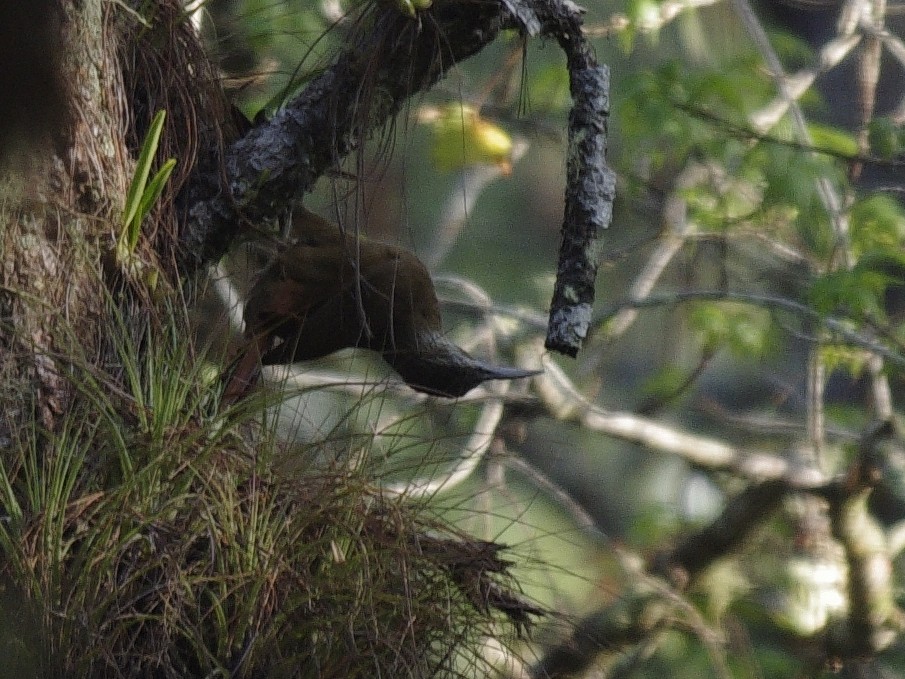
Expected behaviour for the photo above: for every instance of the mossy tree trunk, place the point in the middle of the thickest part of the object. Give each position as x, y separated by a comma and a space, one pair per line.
64, 190
61, 202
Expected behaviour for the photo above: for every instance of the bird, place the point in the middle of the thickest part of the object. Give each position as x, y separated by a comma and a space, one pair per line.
331, 290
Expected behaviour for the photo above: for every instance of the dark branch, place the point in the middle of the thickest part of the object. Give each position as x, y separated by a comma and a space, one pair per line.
590, 184
742, 514
279, 160
626, 622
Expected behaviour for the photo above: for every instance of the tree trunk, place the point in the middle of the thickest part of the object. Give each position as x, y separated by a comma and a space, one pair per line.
64, 191
58, 215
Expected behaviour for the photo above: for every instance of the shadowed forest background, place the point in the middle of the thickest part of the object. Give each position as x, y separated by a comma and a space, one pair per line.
714, 486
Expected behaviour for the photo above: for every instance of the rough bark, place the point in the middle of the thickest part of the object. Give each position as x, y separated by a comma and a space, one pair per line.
56, 215
62, 204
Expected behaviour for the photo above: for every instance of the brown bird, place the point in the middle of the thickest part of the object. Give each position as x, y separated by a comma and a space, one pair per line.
332, 291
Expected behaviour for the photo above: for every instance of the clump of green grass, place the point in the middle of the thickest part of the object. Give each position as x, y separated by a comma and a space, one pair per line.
150, 535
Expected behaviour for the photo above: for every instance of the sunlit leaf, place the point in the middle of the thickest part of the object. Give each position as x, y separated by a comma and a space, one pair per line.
463, 138
833, 139
877, 223
142, 170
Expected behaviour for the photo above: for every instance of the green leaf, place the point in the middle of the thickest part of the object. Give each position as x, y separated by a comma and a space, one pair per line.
833, 139
859, 291
142, 195
877, 224
885, 138
142, 170
851, 360
743, 329
152, 193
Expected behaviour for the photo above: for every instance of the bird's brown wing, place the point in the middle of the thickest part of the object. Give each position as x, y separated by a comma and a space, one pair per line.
398, 298
302, 279
311, 229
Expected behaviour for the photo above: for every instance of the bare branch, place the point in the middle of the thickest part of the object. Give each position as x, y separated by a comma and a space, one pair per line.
565, 402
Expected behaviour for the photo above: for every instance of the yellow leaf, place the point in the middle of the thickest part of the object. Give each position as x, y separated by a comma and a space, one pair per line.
463, 138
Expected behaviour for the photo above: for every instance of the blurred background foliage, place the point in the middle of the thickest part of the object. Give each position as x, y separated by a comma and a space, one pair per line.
703, 164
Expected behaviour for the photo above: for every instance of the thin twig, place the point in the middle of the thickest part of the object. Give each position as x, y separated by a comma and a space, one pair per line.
678, 228
565, 402
839, 327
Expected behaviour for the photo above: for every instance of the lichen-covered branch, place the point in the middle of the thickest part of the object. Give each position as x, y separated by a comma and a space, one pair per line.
590, 184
